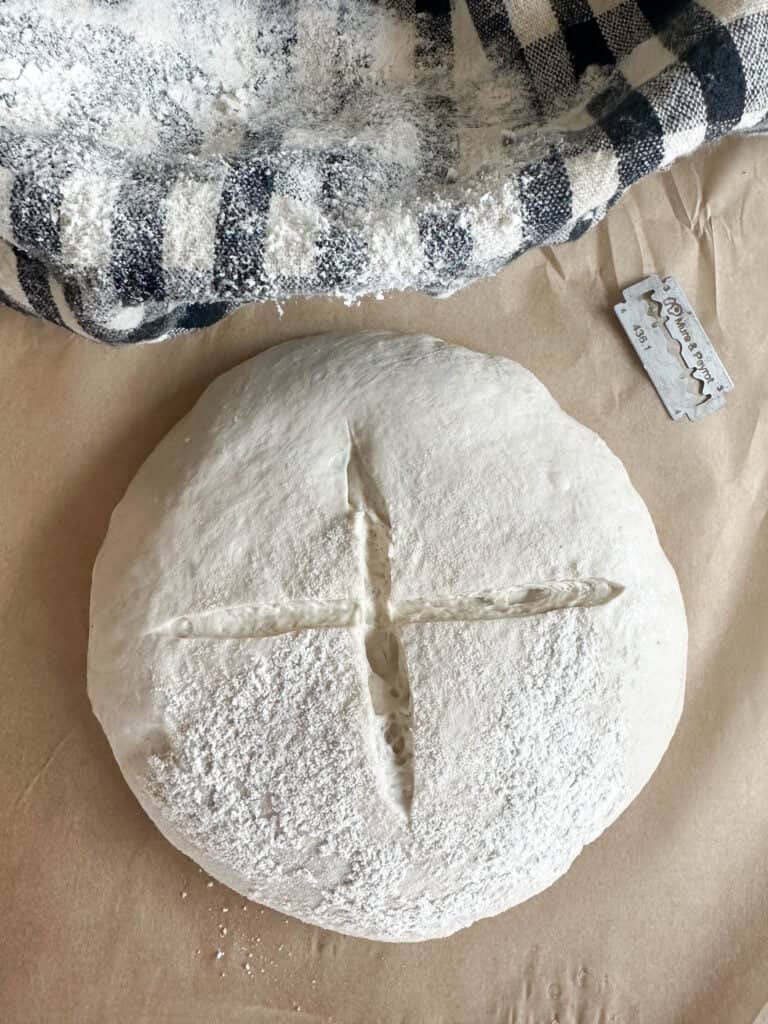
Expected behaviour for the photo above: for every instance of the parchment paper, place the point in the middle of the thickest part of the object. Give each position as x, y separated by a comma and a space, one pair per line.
664, 920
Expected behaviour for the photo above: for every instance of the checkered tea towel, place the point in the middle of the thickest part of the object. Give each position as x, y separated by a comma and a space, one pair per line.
164, 163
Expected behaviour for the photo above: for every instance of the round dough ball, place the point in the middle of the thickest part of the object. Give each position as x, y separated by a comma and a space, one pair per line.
381, 637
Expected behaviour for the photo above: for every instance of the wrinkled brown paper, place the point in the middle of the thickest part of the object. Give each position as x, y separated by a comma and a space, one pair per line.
664, 920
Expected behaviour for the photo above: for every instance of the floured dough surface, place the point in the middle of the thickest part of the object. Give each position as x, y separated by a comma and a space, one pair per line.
381, 637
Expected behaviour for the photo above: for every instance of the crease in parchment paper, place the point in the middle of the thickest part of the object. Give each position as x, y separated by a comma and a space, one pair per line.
44, 767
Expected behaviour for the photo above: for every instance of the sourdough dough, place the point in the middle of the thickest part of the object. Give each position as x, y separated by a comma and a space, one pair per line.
381, 637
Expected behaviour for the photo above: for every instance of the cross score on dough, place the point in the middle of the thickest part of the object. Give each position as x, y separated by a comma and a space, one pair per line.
376, 618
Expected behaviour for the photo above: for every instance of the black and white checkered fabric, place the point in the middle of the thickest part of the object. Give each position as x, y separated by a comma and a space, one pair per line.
162, 164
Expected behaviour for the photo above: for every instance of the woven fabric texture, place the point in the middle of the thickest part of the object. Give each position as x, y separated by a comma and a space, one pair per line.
162, 164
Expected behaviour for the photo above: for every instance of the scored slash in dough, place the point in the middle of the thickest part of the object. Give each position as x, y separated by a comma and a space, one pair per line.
381, 637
